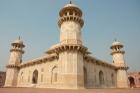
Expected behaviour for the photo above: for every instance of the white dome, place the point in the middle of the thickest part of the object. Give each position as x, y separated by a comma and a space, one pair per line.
70, 5
116, 43
18, 41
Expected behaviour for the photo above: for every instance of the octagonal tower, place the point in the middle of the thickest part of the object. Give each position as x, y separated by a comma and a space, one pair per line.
72, 51
15, 60
118, 60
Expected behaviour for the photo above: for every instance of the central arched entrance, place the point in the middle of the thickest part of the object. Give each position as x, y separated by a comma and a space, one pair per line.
35, 77
132, 81
101, 78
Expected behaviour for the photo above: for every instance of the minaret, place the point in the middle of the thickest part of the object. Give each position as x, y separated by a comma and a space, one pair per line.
16, 52
70, 24
118, 60
71, 50
15, 59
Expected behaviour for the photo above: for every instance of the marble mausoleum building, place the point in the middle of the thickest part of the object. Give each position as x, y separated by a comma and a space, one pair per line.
68, 64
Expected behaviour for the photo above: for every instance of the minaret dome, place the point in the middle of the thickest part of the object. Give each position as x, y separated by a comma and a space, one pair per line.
72, 8
70, 12
17, 45
117, 47
116, 43
18, 42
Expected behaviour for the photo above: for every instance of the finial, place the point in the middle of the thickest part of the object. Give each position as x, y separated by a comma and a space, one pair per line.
70, 2
19, 38
115, 39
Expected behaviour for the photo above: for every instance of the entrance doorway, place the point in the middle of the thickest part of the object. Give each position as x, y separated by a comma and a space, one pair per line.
132, 82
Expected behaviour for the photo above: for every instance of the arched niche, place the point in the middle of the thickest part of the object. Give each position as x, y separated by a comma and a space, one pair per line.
35, 77
101, 78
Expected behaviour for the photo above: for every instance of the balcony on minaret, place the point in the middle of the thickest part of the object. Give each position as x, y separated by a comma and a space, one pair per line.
70, 12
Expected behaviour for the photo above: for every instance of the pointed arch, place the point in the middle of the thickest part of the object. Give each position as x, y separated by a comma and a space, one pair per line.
35, 77
54, 76
85, 76
21, 77
132, 81
112, 79
101, 78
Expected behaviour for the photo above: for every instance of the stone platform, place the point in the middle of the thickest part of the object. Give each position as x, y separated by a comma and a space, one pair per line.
41, 90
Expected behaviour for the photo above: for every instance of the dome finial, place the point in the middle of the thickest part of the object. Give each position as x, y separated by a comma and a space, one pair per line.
18, 37
70, 2
115, 39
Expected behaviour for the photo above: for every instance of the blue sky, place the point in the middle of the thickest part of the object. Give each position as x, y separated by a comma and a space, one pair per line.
36, 22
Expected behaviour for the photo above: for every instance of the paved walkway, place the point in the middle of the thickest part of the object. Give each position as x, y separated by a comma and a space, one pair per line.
43, 90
